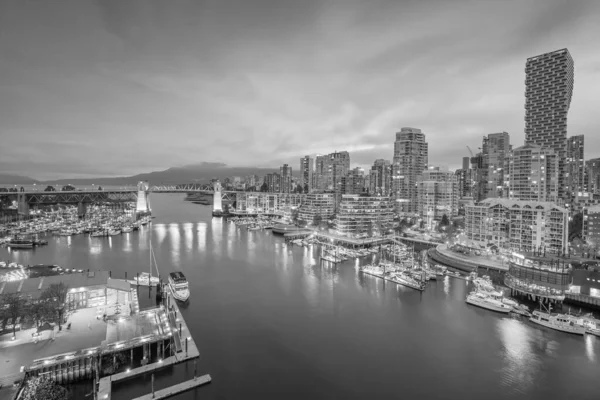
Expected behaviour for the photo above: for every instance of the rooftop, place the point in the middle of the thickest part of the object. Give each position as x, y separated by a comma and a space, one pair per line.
34, 287
511, 203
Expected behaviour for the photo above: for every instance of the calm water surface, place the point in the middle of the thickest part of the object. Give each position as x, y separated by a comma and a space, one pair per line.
270, 321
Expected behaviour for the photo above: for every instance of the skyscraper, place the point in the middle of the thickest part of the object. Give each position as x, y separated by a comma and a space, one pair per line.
381, 178
495, 148
285, 171
548, 92
410, 159
306, 173
575, 167
329, 170
437, 195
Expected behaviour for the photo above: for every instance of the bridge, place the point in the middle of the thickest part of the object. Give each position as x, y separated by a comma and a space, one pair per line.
26, 199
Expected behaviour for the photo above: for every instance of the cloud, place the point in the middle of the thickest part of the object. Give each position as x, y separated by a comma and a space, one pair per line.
115, 88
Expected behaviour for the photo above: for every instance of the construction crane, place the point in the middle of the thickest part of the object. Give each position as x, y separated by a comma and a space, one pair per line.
470, 151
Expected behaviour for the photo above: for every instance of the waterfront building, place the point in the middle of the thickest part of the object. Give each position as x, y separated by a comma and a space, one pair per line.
575, 168
273, 182
548, 91
317, 206
306, 173
354, 181
495, 147
585, 284
381, 178
520, 226
437, 195
410, 160
285, 173
532, 174
538, 277
364, 215
251, 203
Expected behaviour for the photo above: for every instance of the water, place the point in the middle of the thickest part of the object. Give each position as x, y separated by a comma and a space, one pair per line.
270, 322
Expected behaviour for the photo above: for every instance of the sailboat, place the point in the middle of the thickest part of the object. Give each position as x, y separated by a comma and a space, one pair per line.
146, 278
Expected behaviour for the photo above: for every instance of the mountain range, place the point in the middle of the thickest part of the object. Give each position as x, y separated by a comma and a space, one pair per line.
200, 173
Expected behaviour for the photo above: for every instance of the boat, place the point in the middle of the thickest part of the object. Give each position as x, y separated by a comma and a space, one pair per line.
559, 322
145, 279
281, 229
127, 229
113, 232
254, 227
521, 309
483, 300
408, 281
20, 244
179, 286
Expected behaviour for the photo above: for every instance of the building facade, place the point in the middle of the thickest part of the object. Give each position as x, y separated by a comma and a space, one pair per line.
520, 226
316, 206
437, 195
251, 203
285, 173
381, 178
410, 160
591, 226
329, 170
364, 215
532, 174
495, 147
592, 175
548, 91
273, 182
354, 182
306, 173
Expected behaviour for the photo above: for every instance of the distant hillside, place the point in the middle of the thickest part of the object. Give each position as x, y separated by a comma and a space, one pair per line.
202, 172
7, 179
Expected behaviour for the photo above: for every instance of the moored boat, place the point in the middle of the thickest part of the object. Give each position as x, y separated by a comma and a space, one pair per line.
483, 300
559, 322
179, 286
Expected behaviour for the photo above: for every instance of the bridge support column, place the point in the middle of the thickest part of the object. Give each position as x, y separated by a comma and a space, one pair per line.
142, 206
23, 206
217, 200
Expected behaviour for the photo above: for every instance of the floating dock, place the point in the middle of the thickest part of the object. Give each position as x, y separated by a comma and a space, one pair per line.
176, 389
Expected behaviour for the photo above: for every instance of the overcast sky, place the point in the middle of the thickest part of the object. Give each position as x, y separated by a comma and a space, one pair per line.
107, 88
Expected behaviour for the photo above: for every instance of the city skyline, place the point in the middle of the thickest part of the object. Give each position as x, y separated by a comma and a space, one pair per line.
127, 88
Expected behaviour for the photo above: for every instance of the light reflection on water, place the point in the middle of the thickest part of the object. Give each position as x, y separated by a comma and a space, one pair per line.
201, 236
590, 340
175, 240
521, 363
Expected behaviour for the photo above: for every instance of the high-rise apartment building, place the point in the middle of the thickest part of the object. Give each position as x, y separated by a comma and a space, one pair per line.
495, 148
548, 91
381, 178
285, 172
306, 173
592, 175
575, 167
532, 174
410, 160
437, 195
273, 182
329, 170
354, 181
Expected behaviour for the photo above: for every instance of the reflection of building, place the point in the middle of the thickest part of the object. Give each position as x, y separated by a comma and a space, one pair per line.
548, 92
537, 277
364, 215
437, 195
532, 174
317, 204
410, 159
524, 226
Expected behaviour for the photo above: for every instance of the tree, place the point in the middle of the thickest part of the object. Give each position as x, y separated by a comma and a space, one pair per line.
264, 187
40, 311
50, 188
445, 221
68, 188
317, 219
575, 226
13, 307
43, 388
56, 296
299, 189
99, 187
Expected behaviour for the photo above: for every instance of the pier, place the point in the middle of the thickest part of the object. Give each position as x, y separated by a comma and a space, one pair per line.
176, 389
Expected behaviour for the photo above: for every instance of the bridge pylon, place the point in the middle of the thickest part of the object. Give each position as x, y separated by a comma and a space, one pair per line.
217, 200
142, 205
23, 205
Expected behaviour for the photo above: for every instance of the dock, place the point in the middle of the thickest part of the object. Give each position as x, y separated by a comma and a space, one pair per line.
176, 389
186, 349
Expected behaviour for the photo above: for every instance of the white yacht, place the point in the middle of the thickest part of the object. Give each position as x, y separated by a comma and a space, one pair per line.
560, 322
127, 229
179, 286
114, 231
483, 300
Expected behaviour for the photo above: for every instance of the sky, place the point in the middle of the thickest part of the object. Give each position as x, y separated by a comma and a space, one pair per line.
113, 88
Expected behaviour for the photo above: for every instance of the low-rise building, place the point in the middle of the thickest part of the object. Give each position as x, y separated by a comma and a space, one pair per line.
359, 215
320, 205
591, 226
538, 277
437, 195
266, 203
523, 226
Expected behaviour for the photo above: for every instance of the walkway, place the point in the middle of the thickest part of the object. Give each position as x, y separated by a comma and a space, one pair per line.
464, 262
176, 389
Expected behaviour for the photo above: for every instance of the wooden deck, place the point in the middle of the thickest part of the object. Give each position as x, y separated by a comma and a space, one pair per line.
176, 389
